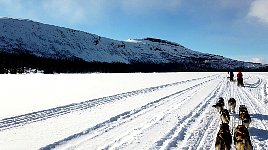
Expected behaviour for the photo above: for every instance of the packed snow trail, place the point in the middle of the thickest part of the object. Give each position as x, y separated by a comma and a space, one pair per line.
259, 125
11, 122
149, 110
175, 115
78, 120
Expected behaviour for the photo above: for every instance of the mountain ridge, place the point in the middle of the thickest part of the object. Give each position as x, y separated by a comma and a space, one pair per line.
51, 41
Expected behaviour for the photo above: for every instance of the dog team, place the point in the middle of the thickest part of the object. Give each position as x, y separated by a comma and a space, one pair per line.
241, 136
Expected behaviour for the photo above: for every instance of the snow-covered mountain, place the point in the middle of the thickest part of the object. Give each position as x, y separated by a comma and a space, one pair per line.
58, 42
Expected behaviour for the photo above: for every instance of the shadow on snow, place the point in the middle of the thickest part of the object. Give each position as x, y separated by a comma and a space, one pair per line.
260, 134
260, 116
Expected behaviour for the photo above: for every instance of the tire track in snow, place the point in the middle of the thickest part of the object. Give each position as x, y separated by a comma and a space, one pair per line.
22, 120
211, 123
230, 92
206, 126
258, 126
175, 137
122, 118
251, 98
171, 105
253, 108
242, 101
234, 118
257, 89
264, 91
253, 85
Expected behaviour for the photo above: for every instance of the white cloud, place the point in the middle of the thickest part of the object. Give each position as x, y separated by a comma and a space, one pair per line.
254, 60
257, 60
72, 11
75, 11
258, 9
148, 6
68, 9
8, 4
18, 9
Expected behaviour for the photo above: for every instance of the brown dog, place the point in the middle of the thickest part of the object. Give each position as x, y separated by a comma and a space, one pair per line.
224, 138
242, 138
232, 105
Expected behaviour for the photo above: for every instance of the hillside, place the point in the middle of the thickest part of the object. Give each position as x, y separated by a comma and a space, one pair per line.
48, 41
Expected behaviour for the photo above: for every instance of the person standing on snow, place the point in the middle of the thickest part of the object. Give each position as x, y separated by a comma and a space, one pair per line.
240, 79
231, 76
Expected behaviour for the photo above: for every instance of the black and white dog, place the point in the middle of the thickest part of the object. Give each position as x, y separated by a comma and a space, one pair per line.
219, 105
231, 105
244, 116
225, 116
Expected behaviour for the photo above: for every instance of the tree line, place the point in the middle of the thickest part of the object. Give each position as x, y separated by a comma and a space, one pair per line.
19, 62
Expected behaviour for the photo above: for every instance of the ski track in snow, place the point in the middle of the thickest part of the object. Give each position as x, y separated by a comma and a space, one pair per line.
183, 119
129, 116
259, 118
206, 125
258, 127
21, 120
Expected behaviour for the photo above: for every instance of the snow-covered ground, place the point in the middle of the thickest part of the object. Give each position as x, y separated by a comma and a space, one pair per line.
125, 111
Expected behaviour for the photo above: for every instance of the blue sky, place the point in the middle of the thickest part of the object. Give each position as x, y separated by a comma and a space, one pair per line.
236, 29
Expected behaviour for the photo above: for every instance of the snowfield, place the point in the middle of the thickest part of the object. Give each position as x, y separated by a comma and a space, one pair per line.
125, 111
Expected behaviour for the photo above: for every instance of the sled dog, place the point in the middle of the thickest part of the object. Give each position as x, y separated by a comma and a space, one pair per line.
246, 119
221, 101
231, 105
242, 138
224, 138
244, 116
219, 105
225, 116
242, 109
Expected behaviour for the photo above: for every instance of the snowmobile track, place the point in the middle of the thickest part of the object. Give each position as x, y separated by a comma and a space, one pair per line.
208, 125
21, 120
126, 117
257, 112
170, 116
176, 135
